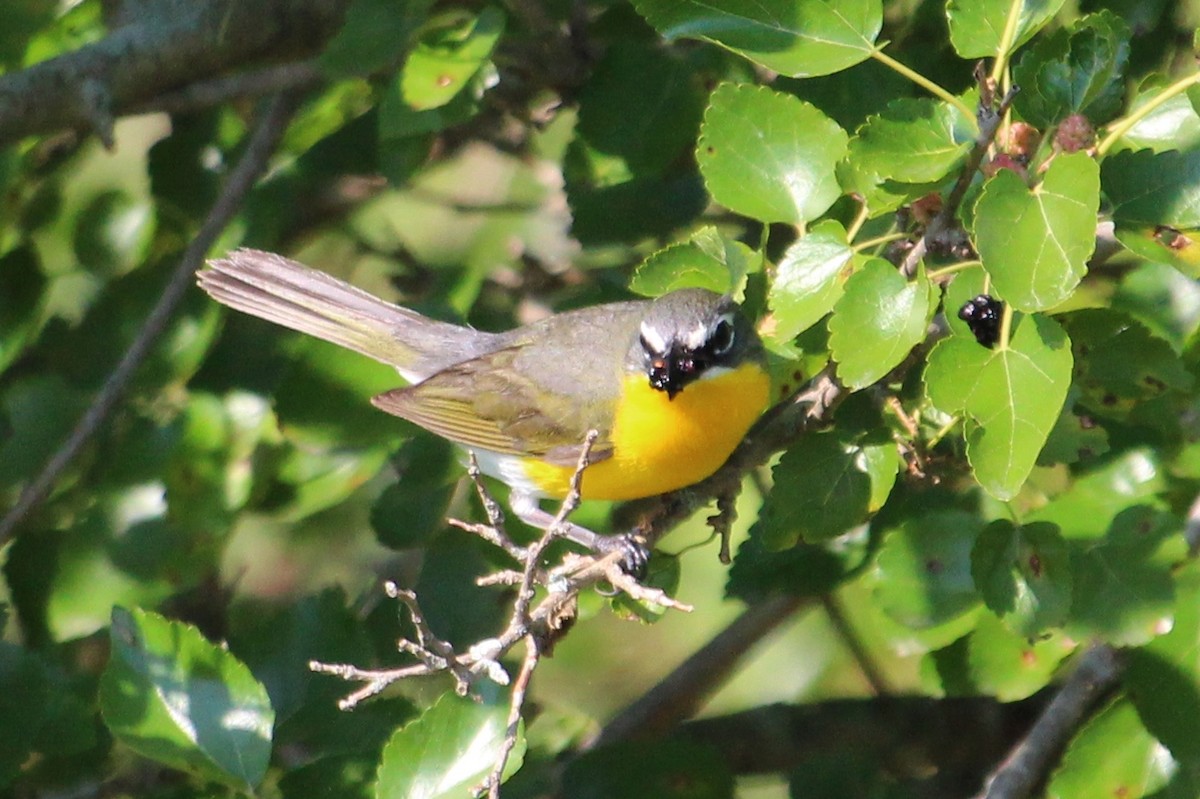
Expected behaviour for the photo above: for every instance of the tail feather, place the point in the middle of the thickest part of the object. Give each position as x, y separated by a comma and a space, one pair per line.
287, 293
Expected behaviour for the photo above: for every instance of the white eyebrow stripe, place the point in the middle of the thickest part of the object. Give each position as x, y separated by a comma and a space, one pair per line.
652, 337
697, 338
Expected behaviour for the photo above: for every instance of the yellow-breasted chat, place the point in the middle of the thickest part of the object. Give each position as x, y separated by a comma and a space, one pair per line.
670, 385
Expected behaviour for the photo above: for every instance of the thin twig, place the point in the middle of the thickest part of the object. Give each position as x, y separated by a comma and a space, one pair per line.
1098, 671
493, 531
989, 125
537, 625
516, 704
249, 168
850, 638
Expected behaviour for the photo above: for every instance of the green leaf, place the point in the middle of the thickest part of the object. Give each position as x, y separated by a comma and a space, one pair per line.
768, 155
1010, 666
1162, 676
406, 133
643, 104
1012, 396
450, 51
375, 34
1173, 124
113, 233
172, 696
822, 488
1073, 438
278, 641
809, 570
800, 38
1087, 509
810, 278
912, 141
877, 321
1148, 188
411, 511
1119, 364
1124, 592
1156, 204
976, 26
344, 776
1112, 755
708, 260
1035, 244
1078, 70
25, 693
1024, 575
22, 288
924, 569
36, 414
609, 203
449, 749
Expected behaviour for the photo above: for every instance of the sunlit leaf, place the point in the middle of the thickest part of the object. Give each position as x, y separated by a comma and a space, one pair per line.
176, 698
1011, 666
769, 155
708, 260
1112, 755
912, 141
810, 278
879, 318
800, 38
1012, 395
977, 26
448, 750
1035, 243
452, 49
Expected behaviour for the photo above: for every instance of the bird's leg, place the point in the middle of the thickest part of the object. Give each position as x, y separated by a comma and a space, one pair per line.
634, 557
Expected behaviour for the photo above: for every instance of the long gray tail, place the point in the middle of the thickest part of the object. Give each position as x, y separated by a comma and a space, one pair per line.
288, 293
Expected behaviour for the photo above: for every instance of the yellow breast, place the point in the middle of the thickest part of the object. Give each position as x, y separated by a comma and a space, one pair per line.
660, 444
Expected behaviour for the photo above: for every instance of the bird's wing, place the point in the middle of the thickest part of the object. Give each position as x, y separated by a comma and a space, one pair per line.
487, 403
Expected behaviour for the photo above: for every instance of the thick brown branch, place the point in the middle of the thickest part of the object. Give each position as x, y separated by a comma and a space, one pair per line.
171, 44
909, 736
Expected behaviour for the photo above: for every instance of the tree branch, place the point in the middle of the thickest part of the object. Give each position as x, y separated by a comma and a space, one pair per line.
1097, 673
680, 694
910, 736
172, 43
249, 168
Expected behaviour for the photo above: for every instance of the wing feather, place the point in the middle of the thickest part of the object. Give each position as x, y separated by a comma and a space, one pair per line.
487, 404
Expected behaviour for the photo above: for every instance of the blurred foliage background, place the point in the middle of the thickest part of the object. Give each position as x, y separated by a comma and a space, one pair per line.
489, 164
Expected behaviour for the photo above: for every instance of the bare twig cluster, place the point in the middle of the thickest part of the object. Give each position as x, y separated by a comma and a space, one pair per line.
544, 608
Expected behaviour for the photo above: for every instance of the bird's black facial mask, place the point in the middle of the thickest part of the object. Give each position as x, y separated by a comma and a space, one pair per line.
681, 364
673, 371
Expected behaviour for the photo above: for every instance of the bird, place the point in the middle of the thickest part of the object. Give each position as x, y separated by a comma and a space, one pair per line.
669, 385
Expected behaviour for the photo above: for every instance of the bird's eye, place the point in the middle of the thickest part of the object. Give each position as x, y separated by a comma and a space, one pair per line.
721, 340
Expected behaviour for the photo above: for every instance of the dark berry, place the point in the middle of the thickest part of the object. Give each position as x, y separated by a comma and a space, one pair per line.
982, 316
